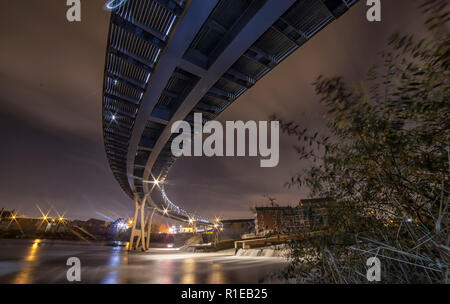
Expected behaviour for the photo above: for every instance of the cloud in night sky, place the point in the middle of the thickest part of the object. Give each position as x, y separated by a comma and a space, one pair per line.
51, 77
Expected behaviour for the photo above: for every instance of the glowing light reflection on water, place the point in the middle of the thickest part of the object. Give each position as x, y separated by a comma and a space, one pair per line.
25, 261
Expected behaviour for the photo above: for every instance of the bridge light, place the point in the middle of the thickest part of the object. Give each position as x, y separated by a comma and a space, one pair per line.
165, 211
114, 4
157, 55
154, 181
170, 26
113, 117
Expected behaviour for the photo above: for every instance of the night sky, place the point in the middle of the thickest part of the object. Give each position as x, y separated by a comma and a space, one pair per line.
51, 77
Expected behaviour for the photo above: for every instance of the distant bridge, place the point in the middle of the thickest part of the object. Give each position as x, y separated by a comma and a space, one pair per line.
167, 59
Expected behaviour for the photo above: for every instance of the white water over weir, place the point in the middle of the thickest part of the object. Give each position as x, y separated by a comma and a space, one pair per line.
280, 251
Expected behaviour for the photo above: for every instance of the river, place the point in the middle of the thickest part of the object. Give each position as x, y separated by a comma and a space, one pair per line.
44, 261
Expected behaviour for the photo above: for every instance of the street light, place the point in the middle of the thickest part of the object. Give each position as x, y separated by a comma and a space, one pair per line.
154, 181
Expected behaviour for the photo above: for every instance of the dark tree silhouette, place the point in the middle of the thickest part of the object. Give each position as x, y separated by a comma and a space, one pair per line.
386, 164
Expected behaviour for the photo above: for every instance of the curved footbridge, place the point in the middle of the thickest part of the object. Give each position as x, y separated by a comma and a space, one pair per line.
167, 59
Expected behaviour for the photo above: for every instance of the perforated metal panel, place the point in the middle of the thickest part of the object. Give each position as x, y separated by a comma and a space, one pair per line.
176, 90
149, 14
308, 16
123, 40
138, 31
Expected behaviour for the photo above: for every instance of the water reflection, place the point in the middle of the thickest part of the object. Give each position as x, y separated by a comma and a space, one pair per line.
217, 276
37, 262
25, 275
188, 271
116, 259
167, 272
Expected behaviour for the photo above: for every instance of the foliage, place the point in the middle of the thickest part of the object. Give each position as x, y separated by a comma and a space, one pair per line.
386, 163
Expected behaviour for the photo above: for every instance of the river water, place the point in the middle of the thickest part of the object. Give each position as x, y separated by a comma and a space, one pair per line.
44, 261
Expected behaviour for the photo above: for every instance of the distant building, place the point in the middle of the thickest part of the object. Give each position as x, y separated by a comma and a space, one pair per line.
310, 214
94, 226
316, 211
279, 219
6, 214
187, 229
234, 229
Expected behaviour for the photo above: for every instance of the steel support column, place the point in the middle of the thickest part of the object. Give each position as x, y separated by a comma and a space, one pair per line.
139, 231
149, 227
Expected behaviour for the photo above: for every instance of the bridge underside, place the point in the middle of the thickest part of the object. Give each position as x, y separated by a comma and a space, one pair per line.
167, 59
